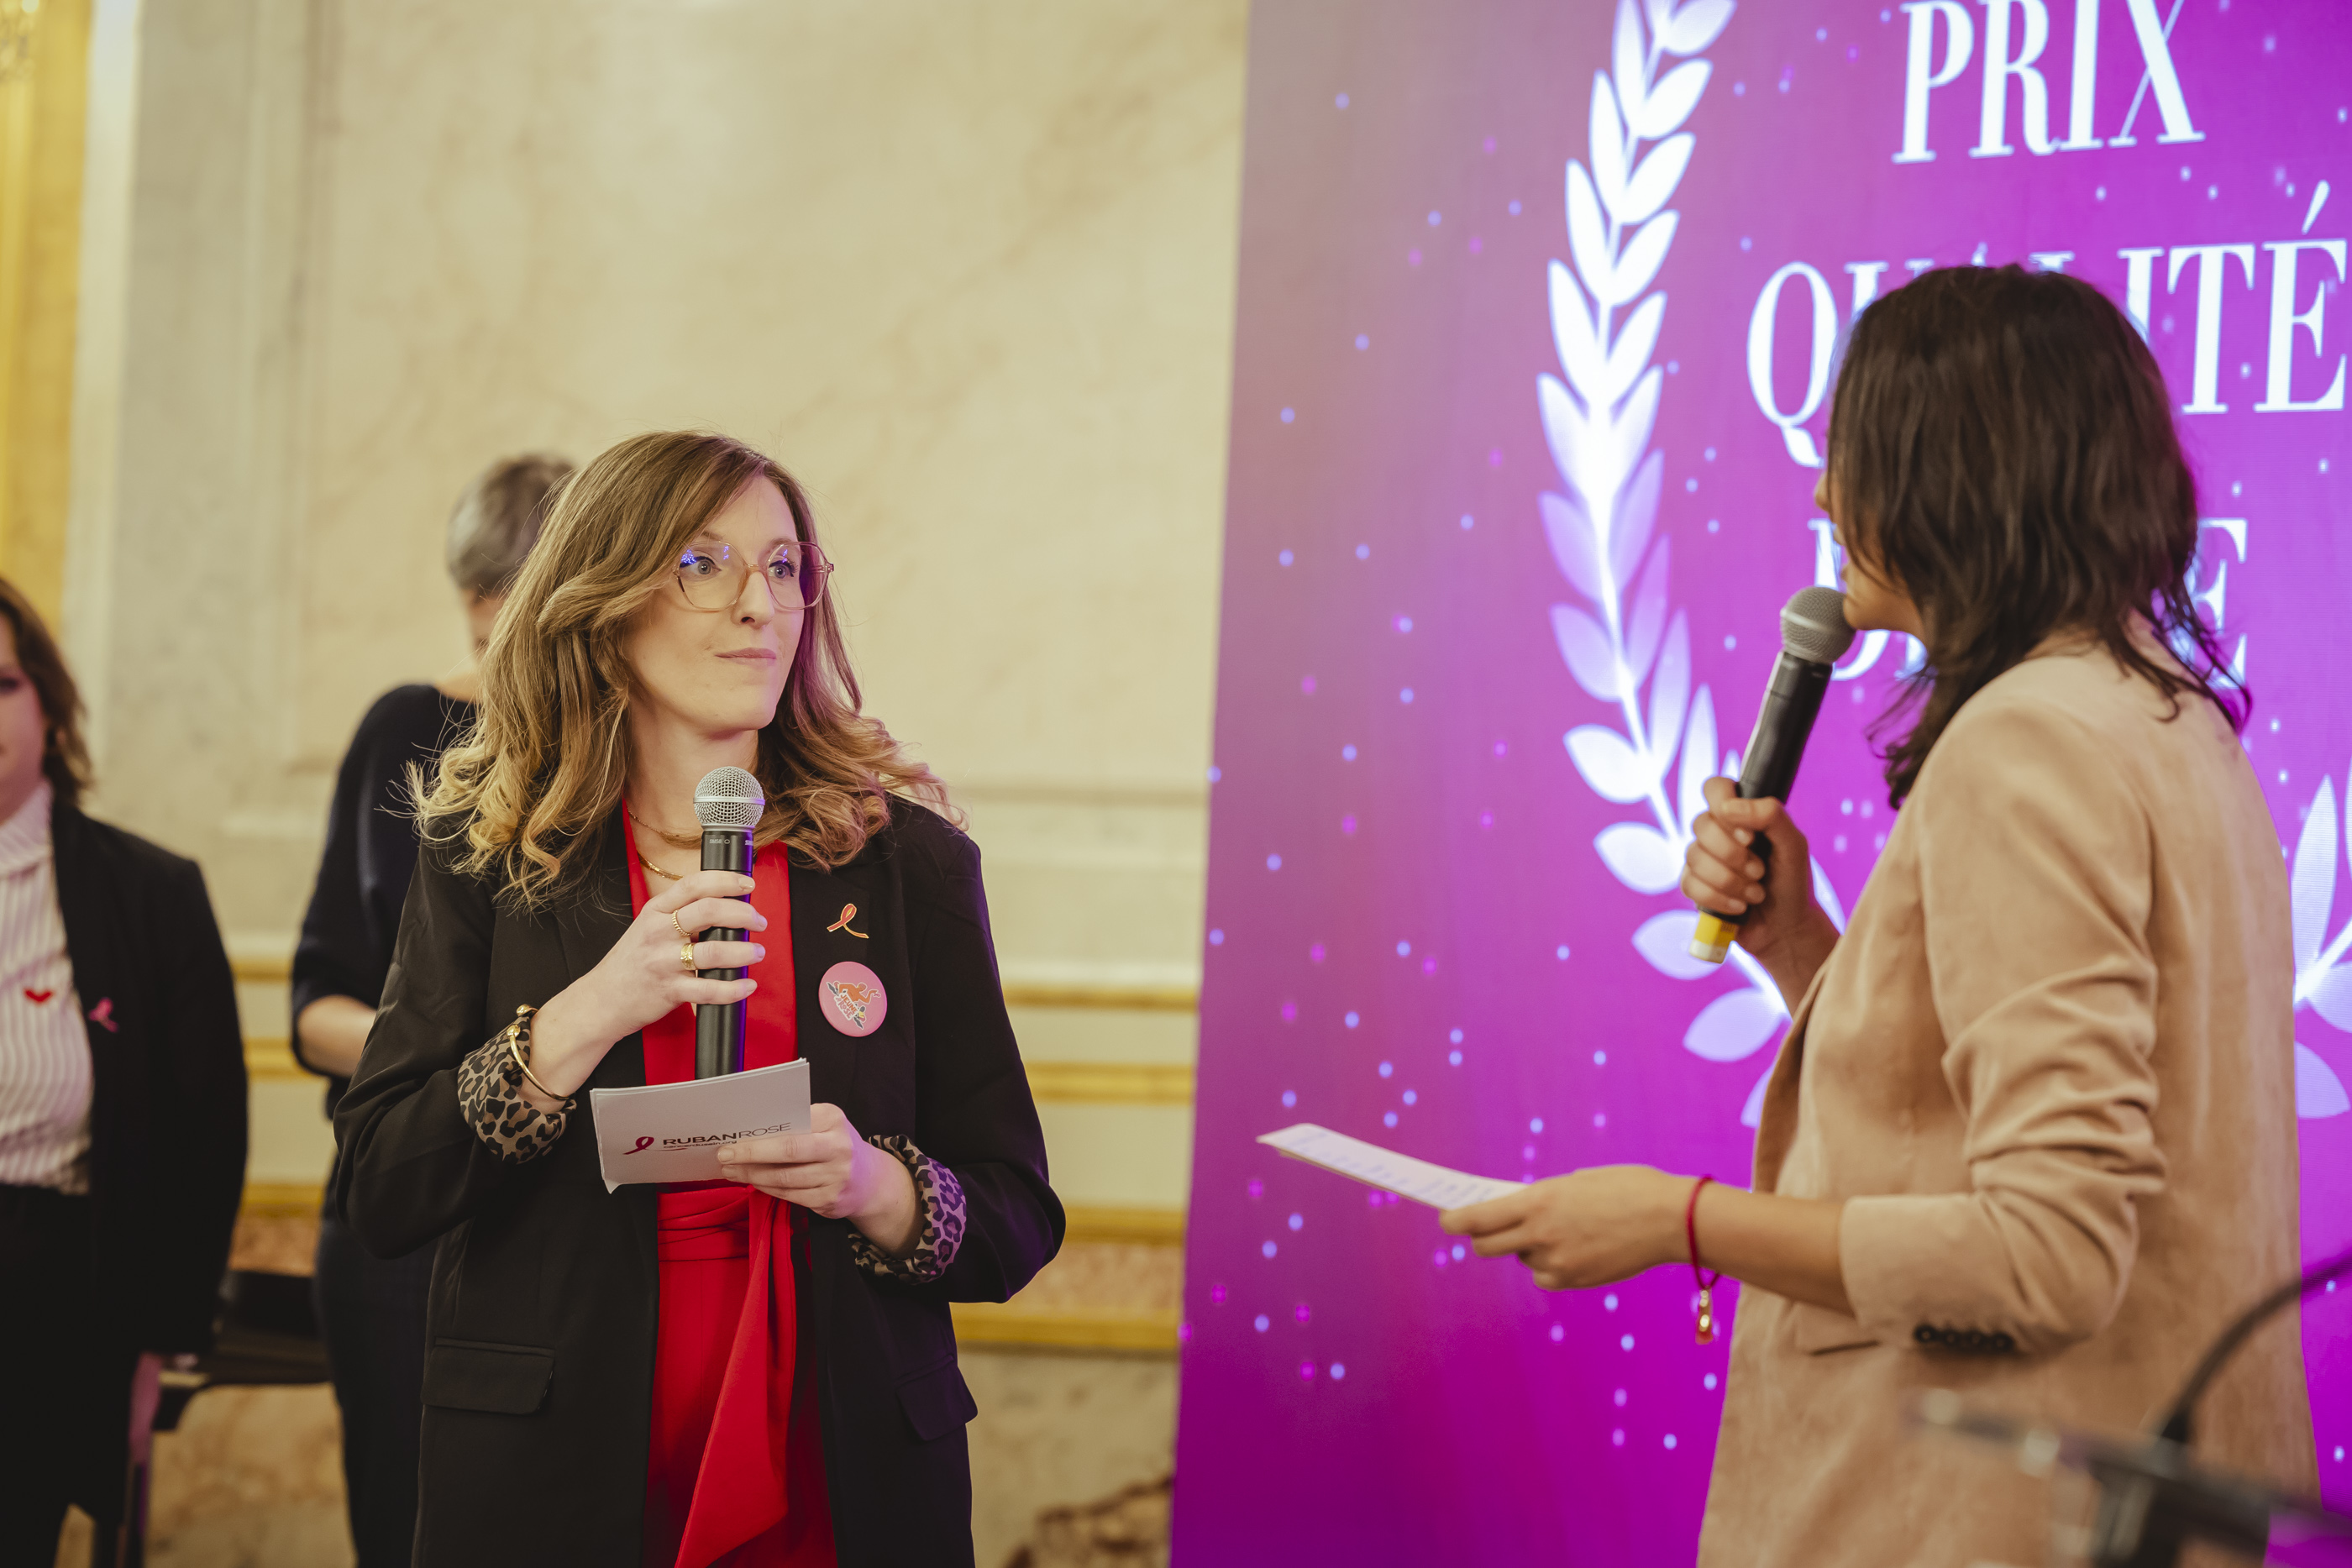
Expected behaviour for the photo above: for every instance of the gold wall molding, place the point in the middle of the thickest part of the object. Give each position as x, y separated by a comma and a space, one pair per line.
1094, 1224
281, 1199
269, 1059
1008, 1325
44, 90
1111, 1083
1104, 998
265, 969
1088, 1225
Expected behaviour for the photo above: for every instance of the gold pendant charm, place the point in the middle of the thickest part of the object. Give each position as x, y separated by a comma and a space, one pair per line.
1705, 1316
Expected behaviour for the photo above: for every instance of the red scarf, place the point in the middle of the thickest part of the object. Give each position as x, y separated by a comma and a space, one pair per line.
736, 1472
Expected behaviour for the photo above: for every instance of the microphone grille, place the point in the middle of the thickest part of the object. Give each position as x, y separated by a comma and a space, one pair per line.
1813, 625
728, 798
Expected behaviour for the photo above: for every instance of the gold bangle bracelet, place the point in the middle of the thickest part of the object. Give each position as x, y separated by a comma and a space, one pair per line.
518, 1032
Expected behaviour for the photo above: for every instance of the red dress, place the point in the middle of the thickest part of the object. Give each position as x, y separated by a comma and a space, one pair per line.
735, 1472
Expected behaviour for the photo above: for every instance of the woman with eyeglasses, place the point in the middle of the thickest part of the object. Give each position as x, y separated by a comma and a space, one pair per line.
754, 1371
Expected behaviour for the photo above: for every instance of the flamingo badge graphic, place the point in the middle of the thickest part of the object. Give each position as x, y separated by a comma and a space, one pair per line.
852, 999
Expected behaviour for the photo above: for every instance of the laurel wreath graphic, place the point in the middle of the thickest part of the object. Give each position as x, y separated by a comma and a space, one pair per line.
2323, 976
1598, 422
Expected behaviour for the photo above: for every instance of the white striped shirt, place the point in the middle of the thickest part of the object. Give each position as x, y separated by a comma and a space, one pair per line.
45, 1068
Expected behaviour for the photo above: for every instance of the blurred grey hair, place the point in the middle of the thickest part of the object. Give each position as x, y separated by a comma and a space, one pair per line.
496, 520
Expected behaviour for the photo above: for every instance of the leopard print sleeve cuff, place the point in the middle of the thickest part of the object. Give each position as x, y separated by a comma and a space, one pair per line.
489, 1097
940, 1231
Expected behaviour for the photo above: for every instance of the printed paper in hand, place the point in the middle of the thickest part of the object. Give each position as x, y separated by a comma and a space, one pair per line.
671, 1132
1400, 1173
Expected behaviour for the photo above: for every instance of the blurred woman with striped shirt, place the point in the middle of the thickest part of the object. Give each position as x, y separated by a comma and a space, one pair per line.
121, 1112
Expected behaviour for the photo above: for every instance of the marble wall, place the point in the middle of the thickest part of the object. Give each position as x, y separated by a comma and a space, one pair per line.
967, 270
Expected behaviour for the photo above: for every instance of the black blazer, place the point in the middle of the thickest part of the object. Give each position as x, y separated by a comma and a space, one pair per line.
539, 1370
167, 1102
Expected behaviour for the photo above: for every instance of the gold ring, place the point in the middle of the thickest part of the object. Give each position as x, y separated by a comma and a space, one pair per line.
686, 956
676, 927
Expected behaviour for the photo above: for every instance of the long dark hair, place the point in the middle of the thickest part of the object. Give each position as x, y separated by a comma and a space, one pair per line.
2002, 442
65, 758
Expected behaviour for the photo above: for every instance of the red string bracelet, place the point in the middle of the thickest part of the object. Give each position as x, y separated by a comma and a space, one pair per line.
1705, 1282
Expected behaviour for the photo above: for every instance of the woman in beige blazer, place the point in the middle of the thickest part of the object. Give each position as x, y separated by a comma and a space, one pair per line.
2031, 1135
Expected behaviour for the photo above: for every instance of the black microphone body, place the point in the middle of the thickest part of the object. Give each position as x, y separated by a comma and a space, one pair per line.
1813, 636
728, 803
1791, 701
718, 1030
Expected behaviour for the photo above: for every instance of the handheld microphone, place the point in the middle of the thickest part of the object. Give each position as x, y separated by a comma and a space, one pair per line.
1813, 636
728, 803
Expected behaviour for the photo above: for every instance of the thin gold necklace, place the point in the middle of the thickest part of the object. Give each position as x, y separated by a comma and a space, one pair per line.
672, 876
675, 841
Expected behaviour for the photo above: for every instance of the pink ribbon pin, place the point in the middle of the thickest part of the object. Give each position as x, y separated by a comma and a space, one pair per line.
103, 1014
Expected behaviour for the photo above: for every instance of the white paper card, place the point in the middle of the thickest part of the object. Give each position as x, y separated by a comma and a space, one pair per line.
671, 1132
1384, 1169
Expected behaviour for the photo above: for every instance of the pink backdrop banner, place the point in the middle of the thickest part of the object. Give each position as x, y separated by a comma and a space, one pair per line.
1538, 309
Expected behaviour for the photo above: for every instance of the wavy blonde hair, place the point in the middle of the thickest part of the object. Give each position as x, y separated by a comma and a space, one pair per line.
532, 789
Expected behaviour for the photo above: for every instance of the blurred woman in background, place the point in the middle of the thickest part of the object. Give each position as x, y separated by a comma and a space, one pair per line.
371, 1309
121, 1114
758, 1370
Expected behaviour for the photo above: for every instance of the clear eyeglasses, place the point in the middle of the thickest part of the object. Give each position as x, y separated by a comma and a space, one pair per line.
711, 576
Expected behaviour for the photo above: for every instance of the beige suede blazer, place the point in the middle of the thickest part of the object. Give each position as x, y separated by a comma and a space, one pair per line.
2050, 1069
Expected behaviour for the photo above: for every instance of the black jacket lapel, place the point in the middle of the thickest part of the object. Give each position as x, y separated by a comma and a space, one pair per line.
587, 927
819, 942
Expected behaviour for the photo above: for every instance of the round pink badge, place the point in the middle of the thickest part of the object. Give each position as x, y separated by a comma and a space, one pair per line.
851, 996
